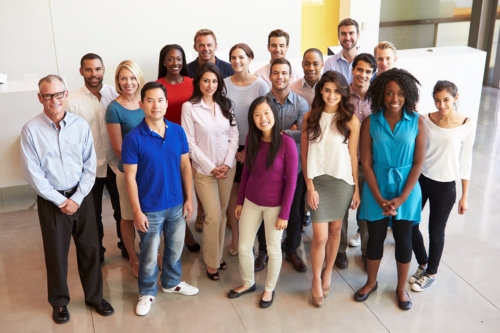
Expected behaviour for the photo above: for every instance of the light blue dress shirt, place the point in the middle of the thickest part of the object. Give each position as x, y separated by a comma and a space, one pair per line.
55, 159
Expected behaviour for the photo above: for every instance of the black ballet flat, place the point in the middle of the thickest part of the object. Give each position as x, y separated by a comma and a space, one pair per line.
363, 297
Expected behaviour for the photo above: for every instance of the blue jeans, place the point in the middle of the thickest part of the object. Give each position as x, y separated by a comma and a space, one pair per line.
171, 221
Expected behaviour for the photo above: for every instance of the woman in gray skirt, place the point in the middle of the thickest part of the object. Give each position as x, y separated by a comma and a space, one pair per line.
329, 144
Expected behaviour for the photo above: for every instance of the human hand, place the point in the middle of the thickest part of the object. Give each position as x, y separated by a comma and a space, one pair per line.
69, 207
313, 199
141, 222
462, 206
281, 224
237, 211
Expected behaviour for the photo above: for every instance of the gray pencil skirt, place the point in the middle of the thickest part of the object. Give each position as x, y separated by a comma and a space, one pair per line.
335, 197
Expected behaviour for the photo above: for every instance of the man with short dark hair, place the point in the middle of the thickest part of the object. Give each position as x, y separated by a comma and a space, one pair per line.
205, 44
291, 108
155, 158
348, 34
364, 67
58, 160
277, 45
90, 103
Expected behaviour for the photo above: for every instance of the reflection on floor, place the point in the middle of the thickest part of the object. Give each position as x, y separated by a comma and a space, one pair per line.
465, 297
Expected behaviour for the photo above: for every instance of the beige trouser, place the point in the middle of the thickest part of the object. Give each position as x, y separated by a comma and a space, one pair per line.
250, 220
214, 196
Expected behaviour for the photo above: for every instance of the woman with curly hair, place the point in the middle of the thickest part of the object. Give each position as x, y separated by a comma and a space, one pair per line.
212, 136
392, 149
329, 146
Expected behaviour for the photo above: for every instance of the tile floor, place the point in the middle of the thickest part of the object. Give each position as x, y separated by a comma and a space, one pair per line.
465, 297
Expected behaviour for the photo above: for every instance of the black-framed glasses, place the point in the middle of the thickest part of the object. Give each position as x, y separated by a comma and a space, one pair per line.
58, 95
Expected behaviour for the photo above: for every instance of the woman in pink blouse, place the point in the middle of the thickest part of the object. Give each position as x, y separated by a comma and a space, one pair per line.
212, 135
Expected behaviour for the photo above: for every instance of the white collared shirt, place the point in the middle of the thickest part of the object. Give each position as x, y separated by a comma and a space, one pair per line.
83, 103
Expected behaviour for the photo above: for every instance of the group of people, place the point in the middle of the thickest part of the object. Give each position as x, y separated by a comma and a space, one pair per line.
259, 149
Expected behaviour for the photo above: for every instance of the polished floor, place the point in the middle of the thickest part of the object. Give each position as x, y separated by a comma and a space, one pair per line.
464, 298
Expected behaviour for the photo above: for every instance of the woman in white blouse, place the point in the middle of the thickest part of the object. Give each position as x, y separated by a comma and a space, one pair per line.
448, 158
213, 137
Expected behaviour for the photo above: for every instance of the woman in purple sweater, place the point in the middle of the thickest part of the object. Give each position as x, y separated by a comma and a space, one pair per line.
266, 192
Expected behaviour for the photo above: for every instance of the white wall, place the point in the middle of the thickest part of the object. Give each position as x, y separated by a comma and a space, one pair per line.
50, 36
367, 14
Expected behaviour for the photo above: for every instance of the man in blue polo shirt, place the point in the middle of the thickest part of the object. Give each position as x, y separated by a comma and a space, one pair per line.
159, 182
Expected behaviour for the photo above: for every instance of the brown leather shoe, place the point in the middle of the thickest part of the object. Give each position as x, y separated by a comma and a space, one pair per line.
260, 262
341, 260
297, 262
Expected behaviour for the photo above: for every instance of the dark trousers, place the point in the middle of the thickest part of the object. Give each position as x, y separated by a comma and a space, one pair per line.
401, 230
97, 190
57, 229
442, 197
294, 228
362, 227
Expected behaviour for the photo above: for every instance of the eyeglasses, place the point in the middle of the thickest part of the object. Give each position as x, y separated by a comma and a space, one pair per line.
48, 97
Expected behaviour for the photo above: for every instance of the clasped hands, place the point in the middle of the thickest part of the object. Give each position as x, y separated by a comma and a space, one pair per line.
390, 207
220, 172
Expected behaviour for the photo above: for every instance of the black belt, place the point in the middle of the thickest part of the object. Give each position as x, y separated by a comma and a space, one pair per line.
68, 193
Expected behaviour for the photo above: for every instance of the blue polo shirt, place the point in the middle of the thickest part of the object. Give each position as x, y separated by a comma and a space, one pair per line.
158, 165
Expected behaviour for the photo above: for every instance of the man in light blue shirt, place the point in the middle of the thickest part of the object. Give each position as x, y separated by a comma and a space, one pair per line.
348, 33
58, 160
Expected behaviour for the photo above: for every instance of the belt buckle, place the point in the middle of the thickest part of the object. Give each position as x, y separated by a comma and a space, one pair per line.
66, 193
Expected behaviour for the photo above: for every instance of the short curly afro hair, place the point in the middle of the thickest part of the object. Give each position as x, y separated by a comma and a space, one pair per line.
405, 80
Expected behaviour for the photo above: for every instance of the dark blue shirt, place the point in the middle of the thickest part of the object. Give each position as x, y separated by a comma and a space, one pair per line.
224, 67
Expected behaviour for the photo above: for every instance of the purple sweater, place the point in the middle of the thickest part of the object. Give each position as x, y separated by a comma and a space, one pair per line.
274, 186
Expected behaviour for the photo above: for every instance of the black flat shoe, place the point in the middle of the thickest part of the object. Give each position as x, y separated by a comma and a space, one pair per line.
193, 248
60, 314
235, 294
265, 304
404, 305
213, 276
103, 308
363, 297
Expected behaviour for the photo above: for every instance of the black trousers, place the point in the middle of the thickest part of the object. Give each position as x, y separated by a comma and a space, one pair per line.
97, 190
441, 197
294, 228
401, 230
57, 229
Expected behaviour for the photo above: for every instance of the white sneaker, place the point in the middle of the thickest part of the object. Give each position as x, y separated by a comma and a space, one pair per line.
355, 241
182, 288
144, 305
418, 274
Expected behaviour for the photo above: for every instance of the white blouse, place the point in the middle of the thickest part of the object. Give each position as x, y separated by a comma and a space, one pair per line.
449, 151
328, 154
212, 140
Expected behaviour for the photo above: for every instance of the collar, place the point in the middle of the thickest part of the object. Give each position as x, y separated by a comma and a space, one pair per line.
144, 128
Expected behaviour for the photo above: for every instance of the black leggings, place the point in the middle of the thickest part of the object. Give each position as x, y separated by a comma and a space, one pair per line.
401, 230
441, 196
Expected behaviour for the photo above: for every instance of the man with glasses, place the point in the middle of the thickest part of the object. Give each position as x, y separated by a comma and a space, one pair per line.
348, 34
58, 160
